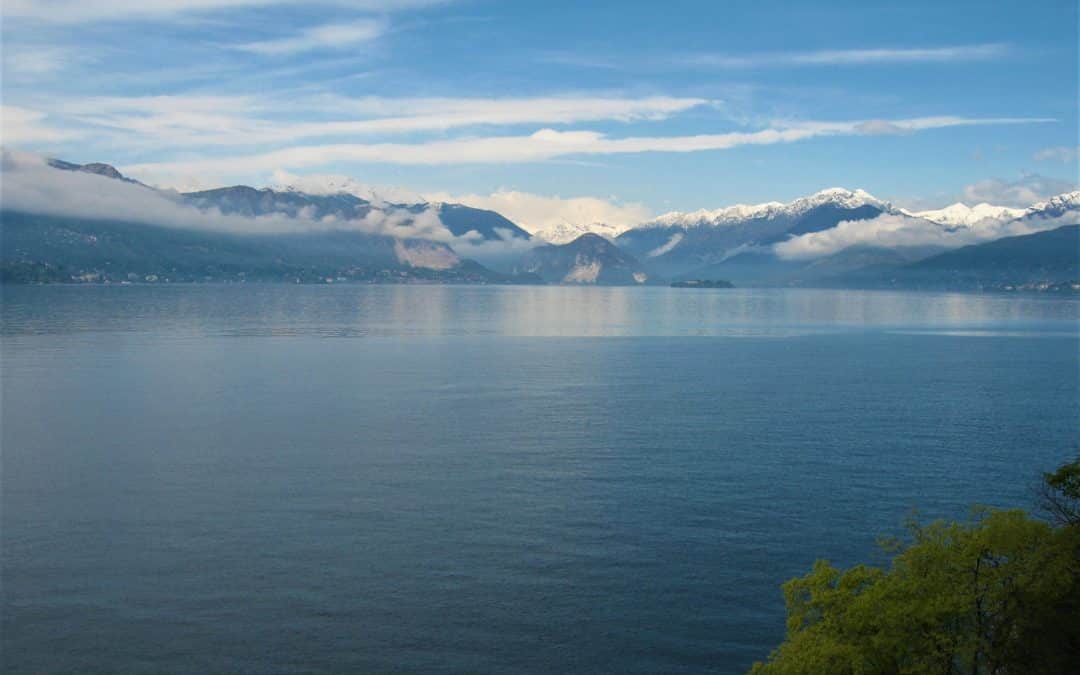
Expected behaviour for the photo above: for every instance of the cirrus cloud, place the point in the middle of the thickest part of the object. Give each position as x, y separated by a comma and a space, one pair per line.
853, 57
22, 125
327, 36
221, 121
80, 11
545, 144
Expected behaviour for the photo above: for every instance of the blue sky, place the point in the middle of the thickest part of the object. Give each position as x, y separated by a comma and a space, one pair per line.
643, 107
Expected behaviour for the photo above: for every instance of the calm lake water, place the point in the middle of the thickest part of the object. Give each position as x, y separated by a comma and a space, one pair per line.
481, 479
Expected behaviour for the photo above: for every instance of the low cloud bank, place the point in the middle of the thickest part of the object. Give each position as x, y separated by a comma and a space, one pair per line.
30, 185
899, 231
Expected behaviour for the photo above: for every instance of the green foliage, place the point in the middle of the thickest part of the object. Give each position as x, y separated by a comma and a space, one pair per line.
1066, 479
998, 594
1060, 494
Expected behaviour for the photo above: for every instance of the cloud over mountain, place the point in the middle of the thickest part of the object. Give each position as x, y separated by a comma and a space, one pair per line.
905, 230
33, 186
1020, 192
536, 212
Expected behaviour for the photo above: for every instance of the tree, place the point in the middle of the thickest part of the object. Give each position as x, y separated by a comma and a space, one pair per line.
997, 594
1059, 494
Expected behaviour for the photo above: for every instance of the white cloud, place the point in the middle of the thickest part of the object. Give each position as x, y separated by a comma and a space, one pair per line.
873, 127
851, 57
887, 230
514, 110
898, 230
1022, 192
82, 11
328, 36
200, 121
21, 125
532, 212
892, 230
33, 61
1061, 153
542, 145
535, 212
31, 186
160, 104
880, 128
326, 184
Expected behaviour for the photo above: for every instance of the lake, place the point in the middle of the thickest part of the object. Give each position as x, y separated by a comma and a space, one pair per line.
488, 479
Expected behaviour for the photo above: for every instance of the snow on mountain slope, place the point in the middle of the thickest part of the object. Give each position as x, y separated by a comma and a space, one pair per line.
1056, 206
964, 215
841, 197
565, 232
960, 214
952, 227
721, 216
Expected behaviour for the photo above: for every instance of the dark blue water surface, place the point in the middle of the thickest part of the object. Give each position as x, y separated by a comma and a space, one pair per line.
427, 479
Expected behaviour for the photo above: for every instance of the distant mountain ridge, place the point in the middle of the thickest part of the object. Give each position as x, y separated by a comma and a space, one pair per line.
341, 234
460, 220
962, 214
1051, 256
677, 243
42, 248
589, 259
342, 204
737, 213
98, 168
566, 232
332, 185
1056, 206
53, 248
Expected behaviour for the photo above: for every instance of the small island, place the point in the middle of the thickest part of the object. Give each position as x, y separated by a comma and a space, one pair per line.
703, 283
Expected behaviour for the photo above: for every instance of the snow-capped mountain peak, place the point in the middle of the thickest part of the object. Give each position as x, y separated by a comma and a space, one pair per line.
962, 214
721, 216
841, 197
566, 232
1068, 201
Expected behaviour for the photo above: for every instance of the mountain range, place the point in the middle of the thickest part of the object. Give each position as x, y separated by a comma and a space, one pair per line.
835, 237
679, 243
566, 232
56, 248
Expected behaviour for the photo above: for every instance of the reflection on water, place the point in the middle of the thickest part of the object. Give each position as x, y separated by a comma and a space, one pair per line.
389, 311
181, 494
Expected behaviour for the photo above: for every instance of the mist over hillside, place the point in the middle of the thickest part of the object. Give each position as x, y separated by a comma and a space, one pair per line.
65, 222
